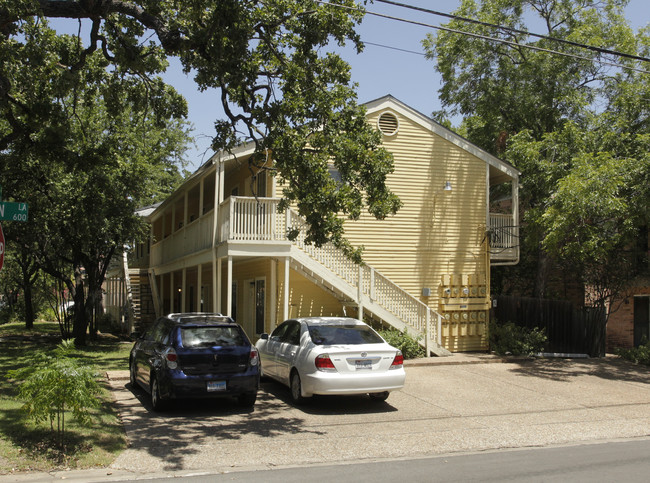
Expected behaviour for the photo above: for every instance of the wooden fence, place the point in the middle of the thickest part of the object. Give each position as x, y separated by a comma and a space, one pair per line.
570, 330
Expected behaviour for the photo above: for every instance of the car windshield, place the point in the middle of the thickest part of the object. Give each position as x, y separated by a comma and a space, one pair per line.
343, 334
210, 336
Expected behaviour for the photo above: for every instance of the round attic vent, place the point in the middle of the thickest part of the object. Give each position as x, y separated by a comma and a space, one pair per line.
388, 124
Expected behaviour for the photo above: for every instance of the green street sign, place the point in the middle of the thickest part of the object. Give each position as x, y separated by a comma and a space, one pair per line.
13, 211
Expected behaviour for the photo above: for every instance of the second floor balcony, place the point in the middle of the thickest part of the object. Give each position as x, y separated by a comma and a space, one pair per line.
249, 219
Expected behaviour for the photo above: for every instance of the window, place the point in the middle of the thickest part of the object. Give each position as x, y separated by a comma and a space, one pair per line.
261, 184
193, 337
292, 335
343, 334
279, 331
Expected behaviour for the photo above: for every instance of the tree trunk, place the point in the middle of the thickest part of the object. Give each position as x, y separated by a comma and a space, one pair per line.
80, 324
541, 278
29, 308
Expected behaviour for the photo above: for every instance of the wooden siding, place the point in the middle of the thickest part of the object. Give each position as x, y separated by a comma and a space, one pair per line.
435, 233
305, 297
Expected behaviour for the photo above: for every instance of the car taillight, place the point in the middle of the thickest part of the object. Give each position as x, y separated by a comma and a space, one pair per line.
255, 357
171, 359
398, 361
324, 363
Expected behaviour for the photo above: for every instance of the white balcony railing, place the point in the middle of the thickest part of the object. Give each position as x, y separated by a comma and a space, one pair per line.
504, 237
251, 219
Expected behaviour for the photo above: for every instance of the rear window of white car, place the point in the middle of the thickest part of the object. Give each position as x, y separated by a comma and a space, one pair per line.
343, 334
210, 336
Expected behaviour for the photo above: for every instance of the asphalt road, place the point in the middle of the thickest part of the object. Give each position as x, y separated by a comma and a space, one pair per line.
601, 462
444, 409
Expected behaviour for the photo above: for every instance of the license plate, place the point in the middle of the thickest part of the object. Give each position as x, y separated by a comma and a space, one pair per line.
216, 386
363, 364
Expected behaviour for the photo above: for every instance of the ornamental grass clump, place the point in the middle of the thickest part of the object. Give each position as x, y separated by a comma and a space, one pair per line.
56, 384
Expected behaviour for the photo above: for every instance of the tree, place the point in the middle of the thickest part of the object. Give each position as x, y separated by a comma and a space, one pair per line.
85, 148
52, 385
279, 88
538, 108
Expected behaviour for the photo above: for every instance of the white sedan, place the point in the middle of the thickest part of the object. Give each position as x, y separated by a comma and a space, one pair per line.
331, 355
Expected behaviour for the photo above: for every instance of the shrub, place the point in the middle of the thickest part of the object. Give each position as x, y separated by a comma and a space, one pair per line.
53, 385
511, 339
638, 355
403, 341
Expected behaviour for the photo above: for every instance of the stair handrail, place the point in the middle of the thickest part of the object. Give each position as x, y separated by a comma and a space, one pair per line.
413, 312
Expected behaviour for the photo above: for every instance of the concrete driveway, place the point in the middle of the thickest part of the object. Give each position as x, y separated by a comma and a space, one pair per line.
448, 405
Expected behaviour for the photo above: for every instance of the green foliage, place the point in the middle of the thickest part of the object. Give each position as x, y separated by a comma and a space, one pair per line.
638, 355
29, 446
403, 341
52, 385
510, 339
281, 88
575, 128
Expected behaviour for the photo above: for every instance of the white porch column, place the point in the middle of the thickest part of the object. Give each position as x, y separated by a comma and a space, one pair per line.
183, 289
216, 285
274, 293
161, 294
285, 303
171, 292
229, 289
199, 282
201, 194
186, 208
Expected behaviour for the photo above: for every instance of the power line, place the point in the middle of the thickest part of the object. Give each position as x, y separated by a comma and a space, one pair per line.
600, 50
488, 38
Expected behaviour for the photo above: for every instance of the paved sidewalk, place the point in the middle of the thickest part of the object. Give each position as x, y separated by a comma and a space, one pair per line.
460, 403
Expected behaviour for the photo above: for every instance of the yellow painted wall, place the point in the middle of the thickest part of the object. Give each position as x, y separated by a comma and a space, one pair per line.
435, 233
305, 298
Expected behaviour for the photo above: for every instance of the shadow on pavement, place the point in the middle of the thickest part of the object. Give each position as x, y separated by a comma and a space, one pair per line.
610, 368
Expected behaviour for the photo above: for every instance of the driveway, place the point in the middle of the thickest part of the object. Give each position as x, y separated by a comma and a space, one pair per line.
445, 407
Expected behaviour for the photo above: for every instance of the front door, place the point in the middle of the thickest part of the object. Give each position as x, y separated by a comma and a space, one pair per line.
255, 306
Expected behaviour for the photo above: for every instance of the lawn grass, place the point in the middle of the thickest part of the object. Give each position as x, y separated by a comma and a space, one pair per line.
27, 446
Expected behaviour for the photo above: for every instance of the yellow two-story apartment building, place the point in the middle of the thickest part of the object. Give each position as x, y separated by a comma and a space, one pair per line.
219, 244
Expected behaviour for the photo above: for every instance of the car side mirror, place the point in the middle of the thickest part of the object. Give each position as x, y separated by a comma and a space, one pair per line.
264, 336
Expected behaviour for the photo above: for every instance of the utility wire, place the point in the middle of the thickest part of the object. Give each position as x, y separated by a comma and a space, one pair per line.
485, 37
600, 50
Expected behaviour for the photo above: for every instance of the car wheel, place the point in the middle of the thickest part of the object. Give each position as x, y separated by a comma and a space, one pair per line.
156, 401
296, 388
247, 399
379, 396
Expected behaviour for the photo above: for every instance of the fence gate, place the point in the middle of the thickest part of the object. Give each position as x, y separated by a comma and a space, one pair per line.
575, 330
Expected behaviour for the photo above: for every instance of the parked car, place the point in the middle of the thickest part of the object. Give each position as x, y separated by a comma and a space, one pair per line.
331, 355
195, 355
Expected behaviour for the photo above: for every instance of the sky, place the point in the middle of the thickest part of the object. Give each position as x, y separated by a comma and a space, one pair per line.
392, 63
378, 70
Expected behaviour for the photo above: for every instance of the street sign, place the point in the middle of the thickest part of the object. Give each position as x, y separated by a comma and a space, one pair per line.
2, 248
13, 211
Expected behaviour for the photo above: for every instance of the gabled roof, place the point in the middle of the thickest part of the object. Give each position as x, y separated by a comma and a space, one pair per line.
499, 170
